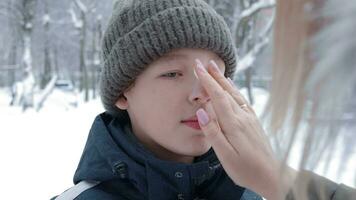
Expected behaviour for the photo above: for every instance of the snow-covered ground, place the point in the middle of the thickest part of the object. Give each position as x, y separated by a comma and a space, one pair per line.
39, 151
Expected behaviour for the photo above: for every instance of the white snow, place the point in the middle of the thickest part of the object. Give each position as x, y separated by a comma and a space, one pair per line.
41, 98
46, 19
28, 25
40, 151
77, 22
27, 58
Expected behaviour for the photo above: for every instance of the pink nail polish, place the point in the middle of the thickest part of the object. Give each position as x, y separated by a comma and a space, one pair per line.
215, 66
203, 117
231, 82
195, 74
200, 66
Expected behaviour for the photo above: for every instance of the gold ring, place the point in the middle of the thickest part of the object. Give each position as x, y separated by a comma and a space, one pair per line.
243, 106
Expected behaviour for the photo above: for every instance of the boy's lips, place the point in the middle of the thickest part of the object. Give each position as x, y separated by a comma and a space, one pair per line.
192, 122
193, 118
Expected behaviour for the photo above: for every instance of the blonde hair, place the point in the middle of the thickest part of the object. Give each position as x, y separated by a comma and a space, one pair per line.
311, 81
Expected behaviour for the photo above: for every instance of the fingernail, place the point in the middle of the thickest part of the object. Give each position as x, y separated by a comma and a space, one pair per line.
203, 117
200, 66
215, 66
231, 82
195, 74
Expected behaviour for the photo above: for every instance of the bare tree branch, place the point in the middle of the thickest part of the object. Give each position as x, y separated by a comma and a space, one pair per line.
256, 7
81, 6
15, 13
249, 59
41, 98
77, 22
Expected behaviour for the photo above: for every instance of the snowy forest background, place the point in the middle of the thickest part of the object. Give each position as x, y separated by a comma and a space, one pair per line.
49, 70
55, 45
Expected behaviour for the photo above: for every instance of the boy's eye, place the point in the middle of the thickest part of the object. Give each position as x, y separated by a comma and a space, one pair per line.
171, 74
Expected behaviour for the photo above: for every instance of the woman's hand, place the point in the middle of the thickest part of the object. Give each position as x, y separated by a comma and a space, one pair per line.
233, 129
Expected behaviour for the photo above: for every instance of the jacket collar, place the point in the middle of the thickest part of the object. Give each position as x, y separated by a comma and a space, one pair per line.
112, 153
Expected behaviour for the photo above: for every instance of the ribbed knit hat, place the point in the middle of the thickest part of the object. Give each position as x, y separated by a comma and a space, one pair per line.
140, 31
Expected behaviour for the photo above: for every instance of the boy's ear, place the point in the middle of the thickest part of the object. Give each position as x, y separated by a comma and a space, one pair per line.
122, 102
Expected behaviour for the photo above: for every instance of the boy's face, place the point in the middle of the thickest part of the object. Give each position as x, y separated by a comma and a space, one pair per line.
163, 96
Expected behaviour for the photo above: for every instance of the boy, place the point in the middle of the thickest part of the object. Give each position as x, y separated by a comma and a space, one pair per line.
148, 144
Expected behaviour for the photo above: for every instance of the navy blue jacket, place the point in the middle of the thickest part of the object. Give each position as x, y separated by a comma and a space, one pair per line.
126, 170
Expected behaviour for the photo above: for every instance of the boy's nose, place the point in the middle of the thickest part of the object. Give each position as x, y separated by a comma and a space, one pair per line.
198, 94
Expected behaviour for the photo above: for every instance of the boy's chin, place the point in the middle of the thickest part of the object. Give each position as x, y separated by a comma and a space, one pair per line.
196, 152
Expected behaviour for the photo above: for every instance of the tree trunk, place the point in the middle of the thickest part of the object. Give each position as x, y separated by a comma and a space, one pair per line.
84, 80
96, 55
28, 77
93, 64
12, 73
47, 68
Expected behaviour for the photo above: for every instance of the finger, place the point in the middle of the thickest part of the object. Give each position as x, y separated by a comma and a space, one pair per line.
239, 105
226, 153
227, 84
240, 98
238, 95
234, 138
214, 135
211, 129
215, 72
236, 108
210, 110
244, 122
218, 96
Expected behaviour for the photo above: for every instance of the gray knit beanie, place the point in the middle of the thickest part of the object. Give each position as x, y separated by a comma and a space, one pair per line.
140, 31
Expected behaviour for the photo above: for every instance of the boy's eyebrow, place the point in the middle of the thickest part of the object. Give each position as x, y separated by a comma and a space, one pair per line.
173, 57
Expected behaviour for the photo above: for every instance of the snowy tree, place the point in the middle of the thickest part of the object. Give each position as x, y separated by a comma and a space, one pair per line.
80, 12
249, 36
40, 46
97, 33
9, 40
47, 66
24, 10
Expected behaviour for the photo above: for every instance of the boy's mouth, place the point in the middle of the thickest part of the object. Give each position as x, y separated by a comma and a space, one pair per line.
192, 122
